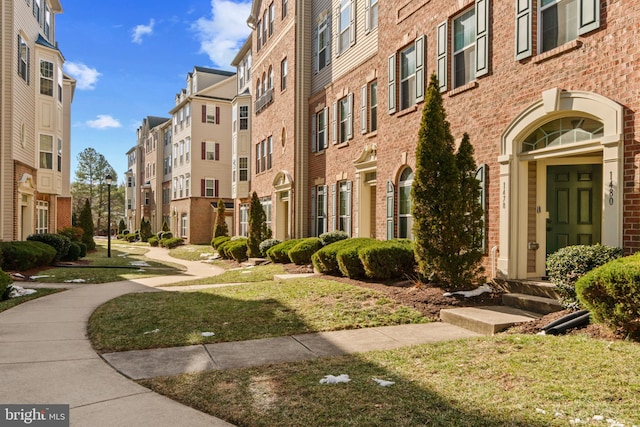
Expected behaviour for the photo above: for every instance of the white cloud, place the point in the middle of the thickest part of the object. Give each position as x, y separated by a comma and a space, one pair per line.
222, 35
85, 76
104, 122
142, 30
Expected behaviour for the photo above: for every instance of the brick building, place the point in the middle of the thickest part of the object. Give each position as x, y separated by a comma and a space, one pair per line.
35, 122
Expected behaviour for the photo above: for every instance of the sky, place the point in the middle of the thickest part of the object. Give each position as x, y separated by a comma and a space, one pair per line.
130, 59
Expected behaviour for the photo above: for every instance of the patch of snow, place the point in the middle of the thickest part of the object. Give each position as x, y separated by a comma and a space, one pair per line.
39, 277
18, 275
205, 255
19, 291
598, 418
474, 293
75, 281
330, 379
139, 264
245, 272
155, 331
383, 383
207, 334
124, 255
540, 411
542, 333
141, 270
558, 415
575, 421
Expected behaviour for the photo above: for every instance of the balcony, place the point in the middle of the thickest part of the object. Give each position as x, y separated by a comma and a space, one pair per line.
264, 100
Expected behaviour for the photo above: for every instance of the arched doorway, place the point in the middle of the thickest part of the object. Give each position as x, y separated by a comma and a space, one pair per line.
282, 214
560, 169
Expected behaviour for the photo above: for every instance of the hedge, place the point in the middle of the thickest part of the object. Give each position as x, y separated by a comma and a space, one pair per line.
280, 252
5, 281
301, 252
153, 241
172, 242
83, 249
568, 264
222, 249
237, 249
612, 294
217, 241
348, 259
73, 253
332, 237
325, 260
57, 241
388, 259
25, 255
265, 245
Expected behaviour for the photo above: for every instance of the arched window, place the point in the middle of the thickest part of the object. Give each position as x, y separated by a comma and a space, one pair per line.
566, 130
258, 86
264, 83
270, 77
405, 220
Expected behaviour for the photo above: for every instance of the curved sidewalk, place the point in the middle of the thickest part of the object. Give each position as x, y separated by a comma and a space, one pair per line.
46, 358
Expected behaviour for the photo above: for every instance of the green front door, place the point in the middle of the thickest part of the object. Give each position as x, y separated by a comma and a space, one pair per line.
574, 203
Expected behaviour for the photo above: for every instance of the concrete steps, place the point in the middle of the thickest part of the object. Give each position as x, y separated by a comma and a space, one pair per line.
523, 301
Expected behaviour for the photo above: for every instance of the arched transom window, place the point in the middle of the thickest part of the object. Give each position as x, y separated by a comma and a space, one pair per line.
405, 219
567, 130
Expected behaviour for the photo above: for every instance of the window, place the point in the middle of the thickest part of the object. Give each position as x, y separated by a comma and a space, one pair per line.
270, 84
559, 22
265, 27
129, 181
36, 9
263, 160
319, 126
24, 54
183, 225
322, 44
319, 209
59, 84
243, 168
343, 207
129, 204
283, 74
181, 186
175, 188
187, 185
369, 108
244, 117
46, 78
405, 219
269, 152
258, 151
244, 220
407, 77
187, 149
59, 155
175, 155
342, 119
181, 152
464, 48
411, 75
210, 151
211, 114
47, 21
259, 35
42, 217
46, 152
470, 43
284, 9
346, 31
258, 89
187, 113
146, 198
210, 187
272, 12
371, 15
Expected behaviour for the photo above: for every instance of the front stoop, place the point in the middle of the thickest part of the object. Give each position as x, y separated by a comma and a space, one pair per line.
537, 304
486, 320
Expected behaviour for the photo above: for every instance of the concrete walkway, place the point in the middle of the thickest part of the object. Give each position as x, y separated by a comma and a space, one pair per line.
46, 358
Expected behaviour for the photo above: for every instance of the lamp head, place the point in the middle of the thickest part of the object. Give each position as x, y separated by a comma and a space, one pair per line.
109, 179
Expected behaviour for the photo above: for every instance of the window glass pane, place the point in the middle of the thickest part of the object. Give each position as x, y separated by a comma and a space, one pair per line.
464, 30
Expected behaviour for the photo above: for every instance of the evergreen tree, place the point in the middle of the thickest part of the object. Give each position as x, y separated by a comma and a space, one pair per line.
440, 203
258, 230
145, 230
121, 226
86, 223
165, 226
221, 228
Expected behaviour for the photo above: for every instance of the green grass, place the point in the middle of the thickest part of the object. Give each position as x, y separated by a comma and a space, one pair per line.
235, 313
514, 380
191, 252
259, 273
98, 258
10, 303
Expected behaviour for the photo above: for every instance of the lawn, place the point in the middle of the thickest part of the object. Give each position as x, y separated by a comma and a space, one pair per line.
235, 313
191, 252
259, 273
116, 268
10, 303
507, 380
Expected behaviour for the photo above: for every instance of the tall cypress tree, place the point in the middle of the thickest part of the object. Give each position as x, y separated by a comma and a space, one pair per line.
86, 223
439, 207
221, 228
258, 230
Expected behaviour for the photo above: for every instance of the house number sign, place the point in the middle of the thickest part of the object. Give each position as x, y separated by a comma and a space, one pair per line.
610, 188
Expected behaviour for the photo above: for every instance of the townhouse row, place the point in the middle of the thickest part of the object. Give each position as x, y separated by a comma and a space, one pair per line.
332, 92
35, 121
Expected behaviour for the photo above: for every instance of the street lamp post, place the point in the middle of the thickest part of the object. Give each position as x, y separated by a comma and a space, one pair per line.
109, 180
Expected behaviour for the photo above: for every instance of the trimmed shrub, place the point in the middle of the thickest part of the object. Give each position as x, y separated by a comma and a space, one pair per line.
73, 233
167, 235
56, 241
153, 241
131, 237
325, 260
173, 242
5, 281
611, 293
570, 263
145, 230
332, 237
222, 249
237, 249
217, 241
300, 253
280, 252
388, 259
74, 252
83, 249
21, 256
348, 260
266, 245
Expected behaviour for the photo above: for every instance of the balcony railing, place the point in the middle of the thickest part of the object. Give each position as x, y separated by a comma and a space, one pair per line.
264, 100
